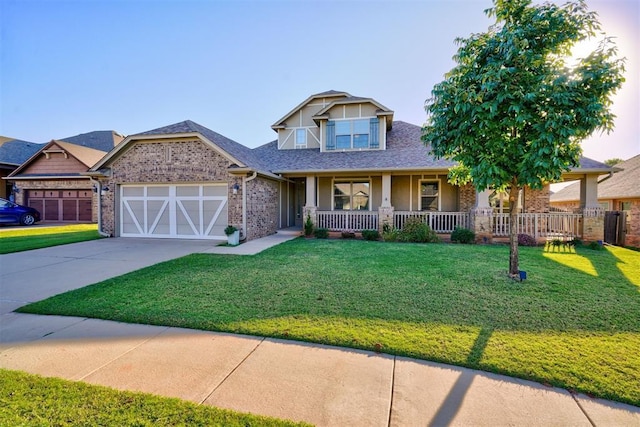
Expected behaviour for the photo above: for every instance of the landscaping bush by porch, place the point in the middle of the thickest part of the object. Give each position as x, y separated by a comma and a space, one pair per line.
574, 323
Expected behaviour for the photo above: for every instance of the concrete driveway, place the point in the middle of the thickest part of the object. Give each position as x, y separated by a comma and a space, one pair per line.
38, 274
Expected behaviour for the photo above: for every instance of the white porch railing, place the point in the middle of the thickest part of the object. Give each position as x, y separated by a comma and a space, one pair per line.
440, 222
347, 220
540, 224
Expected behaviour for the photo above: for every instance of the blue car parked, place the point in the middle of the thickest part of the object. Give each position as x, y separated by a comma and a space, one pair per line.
12, 213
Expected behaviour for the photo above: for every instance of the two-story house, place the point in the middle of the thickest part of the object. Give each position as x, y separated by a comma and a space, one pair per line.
339, 159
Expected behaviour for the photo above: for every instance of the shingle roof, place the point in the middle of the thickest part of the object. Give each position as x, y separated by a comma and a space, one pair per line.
103, 140
621, 185
16, 152
404, 151
86, 155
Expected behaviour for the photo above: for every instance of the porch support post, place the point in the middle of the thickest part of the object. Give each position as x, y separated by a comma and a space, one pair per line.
592, 212
310, 208
385, 211
482, 217
386, 190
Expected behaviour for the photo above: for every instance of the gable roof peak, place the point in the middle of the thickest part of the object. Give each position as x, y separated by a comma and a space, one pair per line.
330, 93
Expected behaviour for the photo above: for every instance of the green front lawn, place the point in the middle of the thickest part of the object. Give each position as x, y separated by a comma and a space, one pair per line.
26, 239
30, 400
574, 323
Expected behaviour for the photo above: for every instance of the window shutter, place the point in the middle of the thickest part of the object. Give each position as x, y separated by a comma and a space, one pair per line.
331, 135
374, 125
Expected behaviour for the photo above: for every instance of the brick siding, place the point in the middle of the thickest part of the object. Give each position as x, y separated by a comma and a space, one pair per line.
536, 201
633, 225
466, 198
191, 161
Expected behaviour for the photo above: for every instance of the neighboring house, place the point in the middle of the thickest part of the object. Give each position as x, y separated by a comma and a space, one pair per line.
619, 191
13, 152
51, 180
339, 159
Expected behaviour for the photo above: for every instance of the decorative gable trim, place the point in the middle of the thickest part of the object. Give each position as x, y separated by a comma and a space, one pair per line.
280, 124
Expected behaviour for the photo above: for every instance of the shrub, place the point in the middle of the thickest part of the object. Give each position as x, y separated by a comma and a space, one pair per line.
370, 234
308, 226
348, 234
463, 235
321, 233
229, 230
390, 235
416, 231
596, 246
526, 240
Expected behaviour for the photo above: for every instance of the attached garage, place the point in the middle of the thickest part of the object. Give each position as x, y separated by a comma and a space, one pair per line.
184, 211
62, 205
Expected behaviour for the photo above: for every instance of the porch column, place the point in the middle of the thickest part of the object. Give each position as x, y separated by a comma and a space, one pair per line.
589, 192
482, 217
592, 212
385, 211
386, 190
311, 191
310, 208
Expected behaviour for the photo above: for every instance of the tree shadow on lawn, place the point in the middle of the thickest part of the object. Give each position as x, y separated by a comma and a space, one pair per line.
476, 319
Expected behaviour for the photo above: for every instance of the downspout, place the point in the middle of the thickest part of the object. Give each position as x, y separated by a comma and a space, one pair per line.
244, 202
99, 191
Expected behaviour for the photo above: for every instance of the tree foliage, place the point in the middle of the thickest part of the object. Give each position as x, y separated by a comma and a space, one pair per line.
613, 162
512, 112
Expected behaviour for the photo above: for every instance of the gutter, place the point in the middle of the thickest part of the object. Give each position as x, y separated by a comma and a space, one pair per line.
99, 191
244, 202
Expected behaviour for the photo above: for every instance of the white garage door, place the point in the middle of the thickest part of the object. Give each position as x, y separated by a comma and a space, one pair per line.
174, 211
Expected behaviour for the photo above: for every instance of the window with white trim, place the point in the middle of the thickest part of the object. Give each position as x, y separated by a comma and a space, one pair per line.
301, 138
429, 195
351, 195
355, 134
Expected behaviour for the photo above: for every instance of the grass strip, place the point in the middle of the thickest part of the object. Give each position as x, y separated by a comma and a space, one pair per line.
31, 400
25, 239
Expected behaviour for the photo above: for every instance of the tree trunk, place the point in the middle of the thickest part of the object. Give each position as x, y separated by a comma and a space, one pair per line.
513, 230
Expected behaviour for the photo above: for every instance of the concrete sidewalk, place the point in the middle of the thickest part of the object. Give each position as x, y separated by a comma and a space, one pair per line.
319, 384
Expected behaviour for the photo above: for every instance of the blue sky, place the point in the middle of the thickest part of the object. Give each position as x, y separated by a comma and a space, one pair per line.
69, 67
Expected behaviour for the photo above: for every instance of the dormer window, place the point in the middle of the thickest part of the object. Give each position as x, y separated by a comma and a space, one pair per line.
357, 134
301, 138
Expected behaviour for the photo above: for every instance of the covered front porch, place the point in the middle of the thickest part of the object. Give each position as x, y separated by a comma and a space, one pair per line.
356, 203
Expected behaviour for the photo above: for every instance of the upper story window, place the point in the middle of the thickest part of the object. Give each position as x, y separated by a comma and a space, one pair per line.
301, 138
352, 134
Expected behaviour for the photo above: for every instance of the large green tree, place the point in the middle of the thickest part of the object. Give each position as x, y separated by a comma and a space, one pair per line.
512, 112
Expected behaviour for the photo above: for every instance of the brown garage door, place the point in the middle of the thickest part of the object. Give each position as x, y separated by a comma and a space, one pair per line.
62, 205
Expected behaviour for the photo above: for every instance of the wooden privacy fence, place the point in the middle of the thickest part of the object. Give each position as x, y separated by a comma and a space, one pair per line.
615, 227
540, 225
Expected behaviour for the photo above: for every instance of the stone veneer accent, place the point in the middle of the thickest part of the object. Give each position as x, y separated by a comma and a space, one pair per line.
189, 160
61, 184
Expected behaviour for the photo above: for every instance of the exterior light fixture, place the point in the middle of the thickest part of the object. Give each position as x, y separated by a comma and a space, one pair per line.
235, 188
